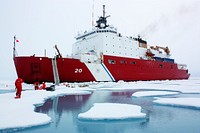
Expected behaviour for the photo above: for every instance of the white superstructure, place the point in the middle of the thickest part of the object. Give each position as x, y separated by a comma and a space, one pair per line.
104, 39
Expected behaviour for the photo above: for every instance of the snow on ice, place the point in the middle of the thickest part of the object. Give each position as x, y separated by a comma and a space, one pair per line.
112, 111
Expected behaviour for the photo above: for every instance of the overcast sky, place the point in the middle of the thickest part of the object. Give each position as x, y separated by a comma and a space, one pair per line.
40, 24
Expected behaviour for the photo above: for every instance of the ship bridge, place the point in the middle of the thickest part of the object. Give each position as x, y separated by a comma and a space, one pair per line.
95, 31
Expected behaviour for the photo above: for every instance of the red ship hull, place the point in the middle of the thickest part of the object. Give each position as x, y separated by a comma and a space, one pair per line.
32, 69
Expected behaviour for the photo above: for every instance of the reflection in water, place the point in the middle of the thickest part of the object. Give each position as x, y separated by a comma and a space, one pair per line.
64, 103
45, 107
161, 119
123, 93
56, 106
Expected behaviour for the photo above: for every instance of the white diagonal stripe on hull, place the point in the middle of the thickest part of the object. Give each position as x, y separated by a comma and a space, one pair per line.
100, 72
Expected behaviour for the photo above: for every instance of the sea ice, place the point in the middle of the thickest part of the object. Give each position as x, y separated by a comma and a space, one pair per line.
184, 86
112, 111
19, 113
153, 93
16, 113
182, 102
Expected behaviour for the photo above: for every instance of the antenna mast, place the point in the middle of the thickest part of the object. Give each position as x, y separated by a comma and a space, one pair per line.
14, 50
93, 14
104, 11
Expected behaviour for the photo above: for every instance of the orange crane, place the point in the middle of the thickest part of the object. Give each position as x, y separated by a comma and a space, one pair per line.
166, 49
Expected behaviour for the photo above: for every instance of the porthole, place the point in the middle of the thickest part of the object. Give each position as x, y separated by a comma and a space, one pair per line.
111, 62
133, 62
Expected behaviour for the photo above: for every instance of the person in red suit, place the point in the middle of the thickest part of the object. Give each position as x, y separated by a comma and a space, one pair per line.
36, 84
43, 87
18, 87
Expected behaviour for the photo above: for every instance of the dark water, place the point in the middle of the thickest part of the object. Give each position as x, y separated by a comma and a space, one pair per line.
161, 119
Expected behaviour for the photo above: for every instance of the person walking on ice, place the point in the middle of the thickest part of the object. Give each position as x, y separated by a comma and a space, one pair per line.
18, 87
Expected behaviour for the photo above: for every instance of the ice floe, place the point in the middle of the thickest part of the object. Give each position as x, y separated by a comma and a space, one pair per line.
180, 102
112, 111
153, 93
184, 86
19, 113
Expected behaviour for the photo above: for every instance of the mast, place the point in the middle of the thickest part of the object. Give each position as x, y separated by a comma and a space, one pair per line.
104, 11
14, 50
93, 14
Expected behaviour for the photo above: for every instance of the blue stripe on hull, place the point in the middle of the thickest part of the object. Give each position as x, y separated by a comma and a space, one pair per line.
112, 78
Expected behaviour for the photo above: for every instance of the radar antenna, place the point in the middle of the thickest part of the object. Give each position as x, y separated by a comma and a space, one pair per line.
102, 22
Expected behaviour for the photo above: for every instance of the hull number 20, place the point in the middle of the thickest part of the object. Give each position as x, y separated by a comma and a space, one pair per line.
78, 70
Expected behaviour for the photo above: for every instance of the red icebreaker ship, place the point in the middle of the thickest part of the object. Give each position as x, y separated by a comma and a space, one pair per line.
102, 54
